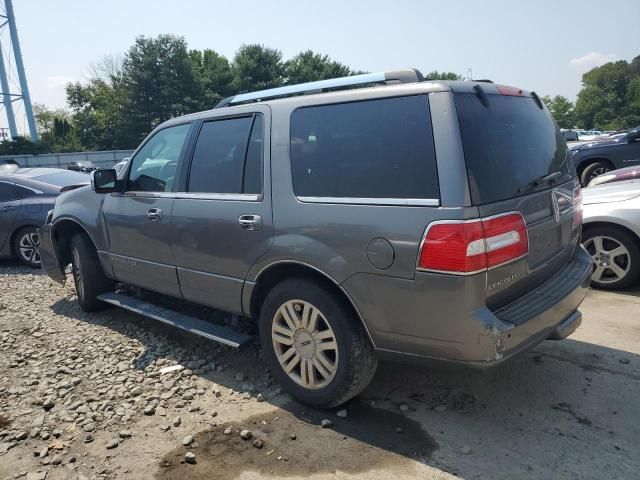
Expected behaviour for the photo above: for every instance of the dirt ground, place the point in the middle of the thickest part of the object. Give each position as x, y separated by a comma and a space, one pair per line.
85, 396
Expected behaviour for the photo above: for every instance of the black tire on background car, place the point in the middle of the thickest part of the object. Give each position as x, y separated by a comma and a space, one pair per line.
88, 276
26, 246
615, 254
592, 171
313, 332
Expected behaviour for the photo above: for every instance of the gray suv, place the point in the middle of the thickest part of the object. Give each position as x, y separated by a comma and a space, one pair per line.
372, 217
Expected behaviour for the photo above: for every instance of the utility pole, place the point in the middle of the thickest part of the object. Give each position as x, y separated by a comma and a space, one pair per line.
8, 97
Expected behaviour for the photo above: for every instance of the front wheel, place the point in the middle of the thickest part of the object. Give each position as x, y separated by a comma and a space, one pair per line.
592, 171
615, 255
88, 277
314, 345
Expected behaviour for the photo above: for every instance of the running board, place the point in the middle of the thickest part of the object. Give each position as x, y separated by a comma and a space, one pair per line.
217, 333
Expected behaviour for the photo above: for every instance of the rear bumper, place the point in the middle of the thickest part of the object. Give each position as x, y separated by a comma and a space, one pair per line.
48, 257
434, 320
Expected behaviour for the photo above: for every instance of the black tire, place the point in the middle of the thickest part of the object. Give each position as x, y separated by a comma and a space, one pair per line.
26, 246
593, 170
624, 238
357, 359
88, 277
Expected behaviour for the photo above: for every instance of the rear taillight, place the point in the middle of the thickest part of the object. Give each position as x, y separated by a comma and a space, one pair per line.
475, 245
577, 206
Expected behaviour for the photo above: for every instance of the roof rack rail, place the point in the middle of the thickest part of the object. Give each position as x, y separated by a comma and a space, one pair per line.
410, 75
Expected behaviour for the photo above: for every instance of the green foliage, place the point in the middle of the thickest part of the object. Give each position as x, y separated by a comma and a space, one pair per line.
256, 67
22, 146
309, 66
436, 75
562, 110
610, 97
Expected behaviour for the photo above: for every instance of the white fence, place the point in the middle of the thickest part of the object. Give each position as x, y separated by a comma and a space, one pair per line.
104, 159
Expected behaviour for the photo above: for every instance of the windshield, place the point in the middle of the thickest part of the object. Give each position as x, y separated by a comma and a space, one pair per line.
511, 147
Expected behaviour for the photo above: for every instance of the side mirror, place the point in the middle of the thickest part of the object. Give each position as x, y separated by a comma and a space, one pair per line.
104, 180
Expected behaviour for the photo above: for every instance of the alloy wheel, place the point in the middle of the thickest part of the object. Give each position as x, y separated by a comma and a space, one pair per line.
598, 171
305, 344
29, 248
611, 259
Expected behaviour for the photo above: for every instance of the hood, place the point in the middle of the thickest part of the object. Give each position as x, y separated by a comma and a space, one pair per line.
611, 192
615, 140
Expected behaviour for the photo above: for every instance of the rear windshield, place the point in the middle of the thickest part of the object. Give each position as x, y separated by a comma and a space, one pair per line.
511, 147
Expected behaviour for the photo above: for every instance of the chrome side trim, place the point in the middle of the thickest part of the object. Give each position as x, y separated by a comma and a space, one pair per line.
207, 274
409, 202
229, 197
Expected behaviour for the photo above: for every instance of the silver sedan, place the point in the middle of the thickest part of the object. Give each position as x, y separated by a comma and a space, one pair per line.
611, 233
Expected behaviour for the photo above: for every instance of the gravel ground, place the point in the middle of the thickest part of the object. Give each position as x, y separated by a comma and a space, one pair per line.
89, 396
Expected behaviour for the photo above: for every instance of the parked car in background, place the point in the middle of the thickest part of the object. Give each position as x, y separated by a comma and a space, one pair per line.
596, 158
619, 175
569, 135
85, 166
351, 225
589, 135
26, 195
611, 233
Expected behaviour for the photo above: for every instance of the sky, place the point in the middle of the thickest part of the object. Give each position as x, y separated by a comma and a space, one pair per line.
543, 46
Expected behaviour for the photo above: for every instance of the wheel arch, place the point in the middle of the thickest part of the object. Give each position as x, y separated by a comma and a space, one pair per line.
584, 163
609, 224
63, 230
274, 273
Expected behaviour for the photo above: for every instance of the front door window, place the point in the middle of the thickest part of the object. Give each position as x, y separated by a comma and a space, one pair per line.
154, 167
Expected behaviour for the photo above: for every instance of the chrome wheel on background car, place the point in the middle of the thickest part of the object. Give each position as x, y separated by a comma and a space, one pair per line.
305, 344
28, 247
611, 259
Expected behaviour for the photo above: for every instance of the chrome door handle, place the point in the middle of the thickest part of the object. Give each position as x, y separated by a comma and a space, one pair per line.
6, 208
154, 214
250, 222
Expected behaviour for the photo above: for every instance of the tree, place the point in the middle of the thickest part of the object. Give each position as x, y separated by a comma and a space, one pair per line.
159, 83
610, 96
214, 74
308, 66
436, 75
98, 114
256, 67
56, 131
562, 110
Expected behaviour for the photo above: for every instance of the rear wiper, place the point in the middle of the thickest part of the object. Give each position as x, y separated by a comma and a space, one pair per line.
536, 182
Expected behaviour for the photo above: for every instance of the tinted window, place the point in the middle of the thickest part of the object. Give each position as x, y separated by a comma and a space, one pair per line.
218, 164
153, 168
22, 192
372, 149
7, 192
509, 147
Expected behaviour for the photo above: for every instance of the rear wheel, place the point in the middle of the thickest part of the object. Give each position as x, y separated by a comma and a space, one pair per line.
26, 246
88, 277
616, 257
314, 345
594, 170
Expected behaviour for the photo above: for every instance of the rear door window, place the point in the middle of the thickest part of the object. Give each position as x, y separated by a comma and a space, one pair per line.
511, 147
228, 157
372, 149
